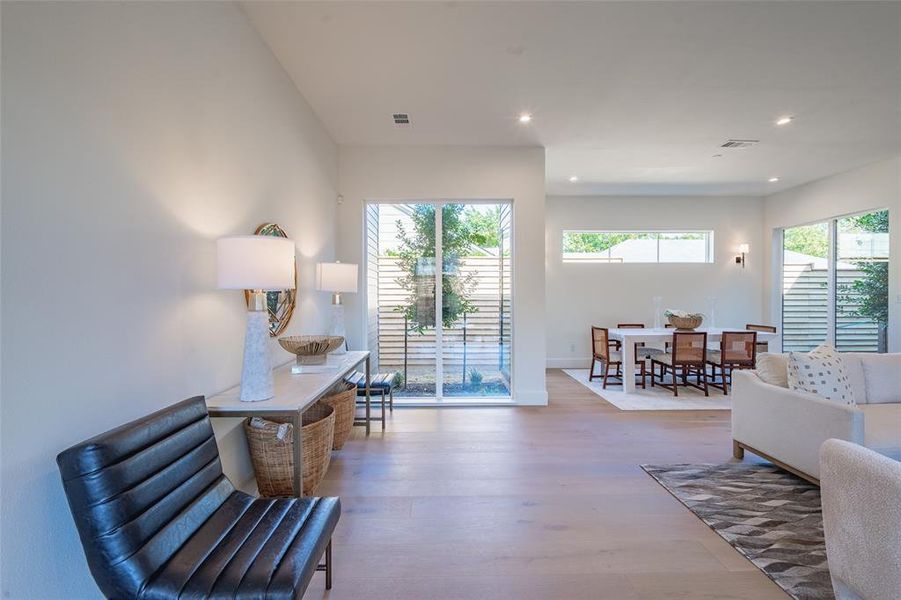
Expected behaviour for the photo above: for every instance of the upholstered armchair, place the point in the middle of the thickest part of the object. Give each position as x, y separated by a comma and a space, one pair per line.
861, 492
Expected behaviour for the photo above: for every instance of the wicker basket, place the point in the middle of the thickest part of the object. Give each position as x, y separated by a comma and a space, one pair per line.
344, 403
686, 322
273, 458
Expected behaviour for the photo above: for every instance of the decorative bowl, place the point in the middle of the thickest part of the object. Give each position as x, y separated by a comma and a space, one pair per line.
311, 349
686, 323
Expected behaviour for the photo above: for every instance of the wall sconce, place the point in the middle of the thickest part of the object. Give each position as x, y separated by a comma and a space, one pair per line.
743, 249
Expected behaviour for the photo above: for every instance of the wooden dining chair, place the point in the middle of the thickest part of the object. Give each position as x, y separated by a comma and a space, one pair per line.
761, 346
646, 351
689, 357
603, 354
738, 350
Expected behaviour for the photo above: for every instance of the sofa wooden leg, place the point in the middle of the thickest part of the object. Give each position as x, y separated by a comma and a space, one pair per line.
737, 451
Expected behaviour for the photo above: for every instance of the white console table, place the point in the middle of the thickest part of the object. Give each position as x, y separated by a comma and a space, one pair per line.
293, 395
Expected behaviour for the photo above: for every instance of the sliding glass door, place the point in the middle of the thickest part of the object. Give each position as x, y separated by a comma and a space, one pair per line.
452, 344
835, 284
861, 282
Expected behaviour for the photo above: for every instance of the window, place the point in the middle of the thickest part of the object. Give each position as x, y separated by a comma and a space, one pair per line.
835, 284
638, 246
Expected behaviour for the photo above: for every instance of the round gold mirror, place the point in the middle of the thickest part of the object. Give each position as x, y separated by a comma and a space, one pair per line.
280, 304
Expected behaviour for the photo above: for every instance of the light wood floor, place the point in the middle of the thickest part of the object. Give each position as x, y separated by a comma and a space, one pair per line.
523, 503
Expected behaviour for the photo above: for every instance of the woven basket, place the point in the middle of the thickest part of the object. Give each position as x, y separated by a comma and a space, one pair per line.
344, 403
686, 322
273, 458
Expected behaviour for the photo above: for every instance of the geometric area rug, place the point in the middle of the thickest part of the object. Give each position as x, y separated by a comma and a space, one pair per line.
771, 517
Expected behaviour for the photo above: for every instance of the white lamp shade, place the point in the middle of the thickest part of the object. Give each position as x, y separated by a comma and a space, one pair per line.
255, 262
744, 248
336, 277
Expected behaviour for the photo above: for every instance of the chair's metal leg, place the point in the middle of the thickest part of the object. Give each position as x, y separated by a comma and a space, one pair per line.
368, 396
383, 410
328, 566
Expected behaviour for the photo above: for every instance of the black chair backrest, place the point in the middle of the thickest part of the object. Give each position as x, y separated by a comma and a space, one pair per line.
138, 492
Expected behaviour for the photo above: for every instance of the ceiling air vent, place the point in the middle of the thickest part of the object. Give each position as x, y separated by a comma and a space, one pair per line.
740, 144
401, 119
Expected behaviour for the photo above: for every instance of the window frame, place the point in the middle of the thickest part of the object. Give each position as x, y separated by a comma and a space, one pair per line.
709, 254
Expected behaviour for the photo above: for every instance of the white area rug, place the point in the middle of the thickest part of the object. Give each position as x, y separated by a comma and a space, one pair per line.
653, 398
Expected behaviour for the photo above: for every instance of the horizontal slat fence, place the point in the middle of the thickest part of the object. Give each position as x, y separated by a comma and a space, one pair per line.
805, 305
487, 345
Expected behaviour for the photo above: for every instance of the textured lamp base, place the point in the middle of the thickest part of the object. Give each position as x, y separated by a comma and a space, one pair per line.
337, 327
256, 375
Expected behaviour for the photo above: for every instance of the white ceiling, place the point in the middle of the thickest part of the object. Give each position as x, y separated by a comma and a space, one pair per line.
632, 97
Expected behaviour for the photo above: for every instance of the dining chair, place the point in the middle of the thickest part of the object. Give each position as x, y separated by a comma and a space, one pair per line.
761, 346
646, 351
689, 357
601, 353
666, 345
738, 350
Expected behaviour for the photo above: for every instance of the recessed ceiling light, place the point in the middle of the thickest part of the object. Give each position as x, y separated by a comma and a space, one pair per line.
773, 179
574, 179
784, 120
525, 118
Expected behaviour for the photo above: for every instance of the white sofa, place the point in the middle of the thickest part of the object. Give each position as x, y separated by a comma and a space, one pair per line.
788, 427
861, 493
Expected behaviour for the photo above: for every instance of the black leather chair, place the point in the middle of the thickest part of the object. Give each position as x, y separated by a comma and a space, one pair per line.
158, 519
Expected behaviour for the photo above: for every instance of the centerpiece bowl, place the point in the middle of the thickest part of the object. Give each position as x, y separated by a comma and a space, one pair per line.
311, 349
684, 321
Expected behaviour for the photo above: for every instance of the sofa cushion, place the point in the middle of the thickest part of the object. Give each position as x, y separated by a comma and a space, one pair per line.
854, 371
882, 429
772, 368
882, 374
820, 371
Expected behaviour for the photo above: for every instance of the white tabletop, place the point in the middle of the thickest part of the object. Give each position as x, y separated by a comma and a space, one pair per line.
650, 334
292, 392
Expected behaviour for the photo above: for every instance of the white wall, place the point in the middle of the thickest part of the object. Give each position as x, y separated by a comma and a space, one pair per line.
134, 135
874, 186
405, 173
581, 295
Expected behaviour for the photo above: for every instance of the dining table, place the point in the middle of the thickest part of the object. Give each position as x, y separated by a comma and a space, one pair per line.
657, 336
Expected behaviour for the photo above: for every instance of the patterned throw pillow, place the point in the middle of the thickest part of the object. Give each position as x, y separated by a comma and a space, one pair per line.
820, 372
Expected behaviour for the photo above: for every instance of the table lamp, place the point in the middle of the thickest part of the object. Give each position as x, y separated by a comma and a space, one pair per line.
259, 263
338, 278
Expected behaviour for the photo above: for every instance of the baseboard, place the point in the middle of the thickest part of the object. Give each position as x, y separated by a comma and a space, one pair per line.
569, 363
530, 397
